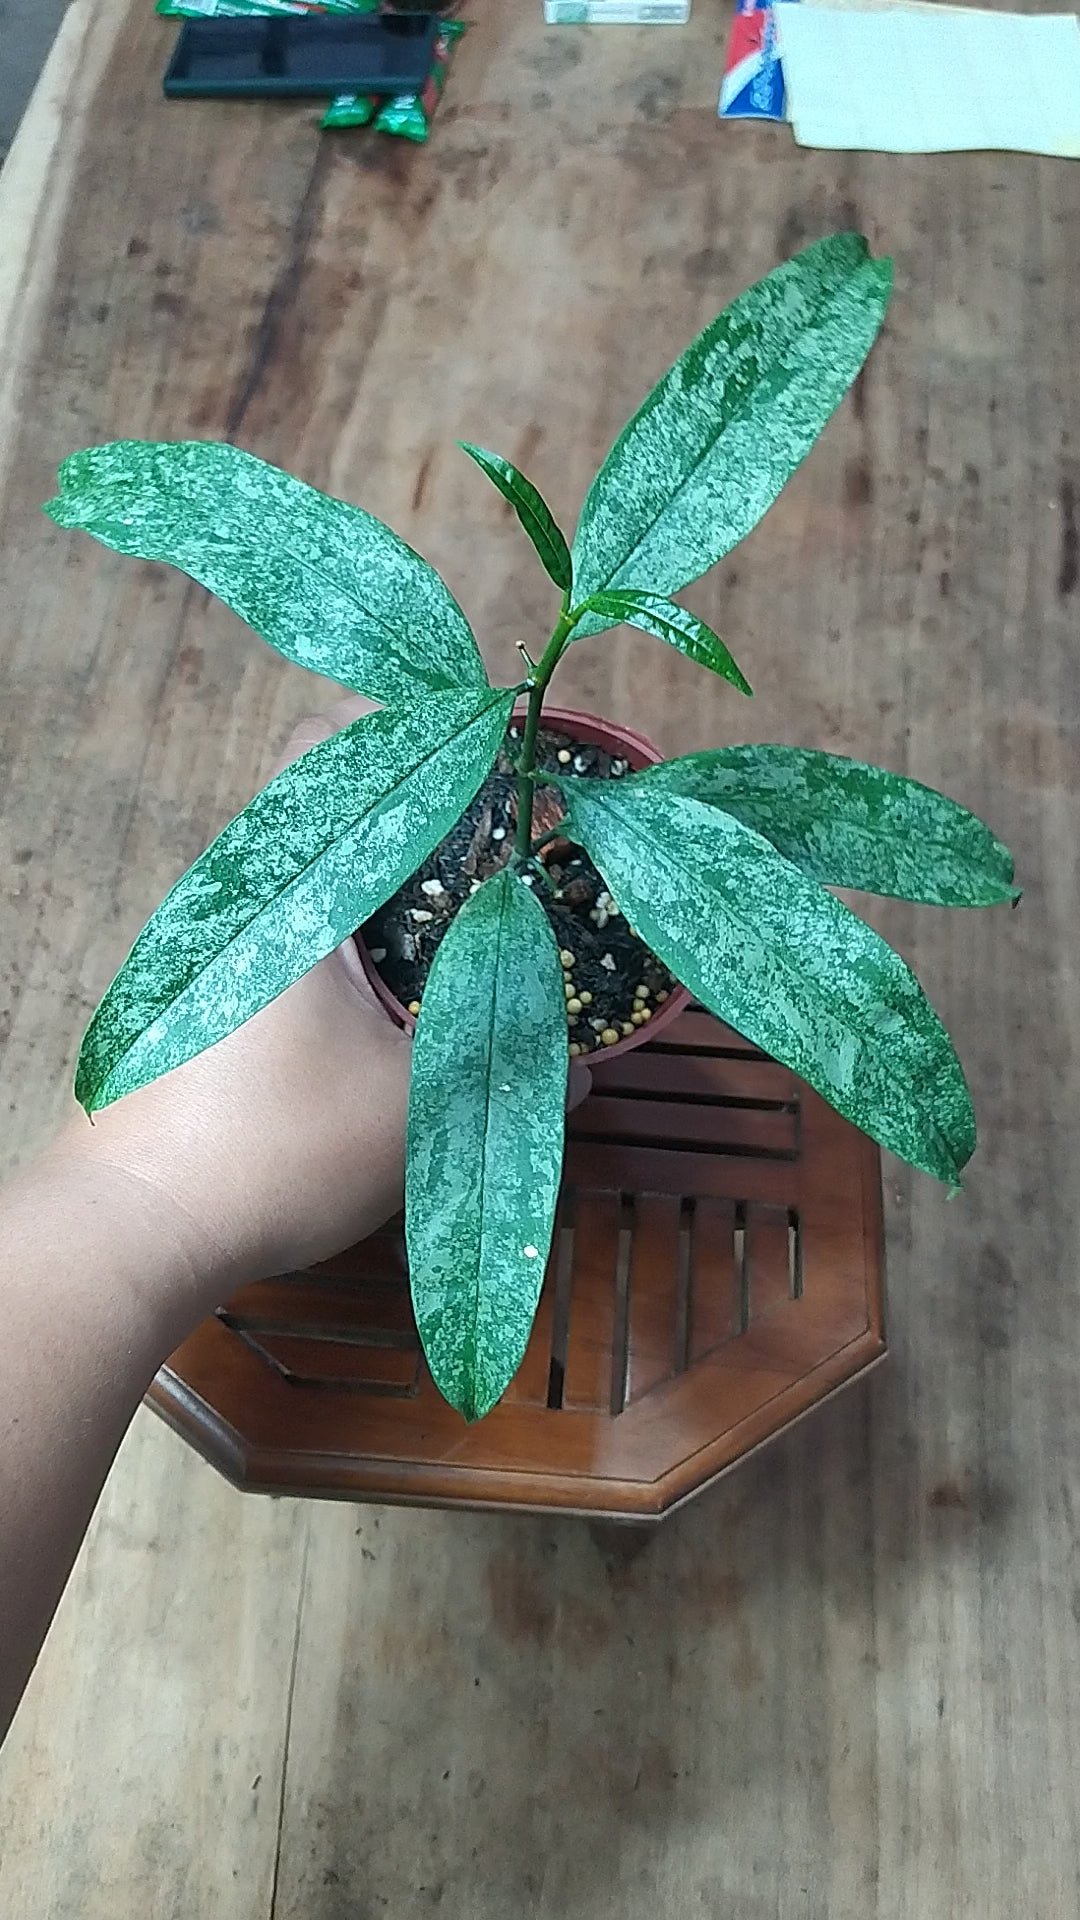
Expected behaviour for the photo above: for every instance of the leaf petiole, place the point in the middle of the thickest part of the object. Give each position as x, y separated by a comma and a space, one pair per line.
545, 667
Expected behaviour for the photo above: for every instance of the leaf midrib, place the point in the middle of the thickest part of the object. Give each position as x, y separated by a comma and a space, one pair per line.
523, 497
749, 927
696, 640
737, 415
480, 1263
541, 530
276, 898
531, 508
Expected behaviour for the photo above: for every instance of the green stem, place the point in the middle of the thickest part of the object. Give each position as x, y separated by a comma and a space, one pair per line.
546, 666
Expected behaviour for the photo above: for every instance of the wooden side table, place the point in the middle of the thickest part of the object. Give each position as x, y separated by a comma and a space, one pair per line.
716, 1271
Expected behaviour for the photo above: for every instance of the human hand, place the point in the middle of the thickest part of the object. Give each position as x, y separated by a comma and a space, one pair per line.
284, 1142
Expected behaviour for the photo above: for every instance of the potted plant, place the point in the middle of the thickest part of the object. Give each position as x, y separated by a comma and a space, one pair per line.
531, 884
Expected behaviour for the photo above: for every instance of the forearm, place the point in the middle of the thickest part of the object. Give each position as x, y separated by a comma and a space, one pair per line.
96, 1288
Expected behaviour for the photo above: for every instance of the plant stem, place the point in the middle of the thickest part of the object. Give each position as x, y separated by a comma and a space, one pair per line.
523, 836
546, 666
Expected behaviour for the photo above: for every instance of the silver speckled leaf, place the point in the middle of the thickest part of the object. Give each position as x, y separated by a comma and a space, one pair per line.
325, 583
486, 1121
666, 620
305, 864
850, 825
711, 447
787, 965
531, 508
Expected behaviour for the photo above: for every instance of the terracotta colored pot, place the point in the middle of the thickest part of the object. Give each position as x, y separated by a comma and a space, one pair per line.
640, 753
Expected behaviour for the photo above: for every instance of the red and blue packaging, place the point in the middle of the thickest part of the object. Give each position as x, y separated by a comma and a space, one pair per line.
753, 84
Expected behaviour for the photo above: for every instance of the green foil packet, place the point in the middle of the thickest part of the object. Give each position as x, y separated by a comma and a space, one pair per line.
406, 114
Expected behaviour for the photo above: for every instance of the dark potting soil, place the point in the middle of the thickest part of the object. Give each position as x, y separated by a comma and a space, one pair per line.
616, 982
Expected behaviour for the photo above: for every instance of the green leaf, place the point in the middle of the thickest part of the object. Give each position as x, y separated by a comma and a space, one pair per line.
670, 622
709, 451
784, 962
305, 864
531, 509
486, 1121
850, 825
325, 583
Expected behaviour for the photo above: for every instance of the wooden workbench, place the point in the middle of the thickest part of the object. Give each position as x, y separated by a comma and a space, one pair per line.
845, 1686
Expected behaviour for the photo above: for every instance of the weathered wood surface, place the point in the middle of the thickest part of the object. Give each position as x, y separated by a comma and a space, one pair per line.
846, 1685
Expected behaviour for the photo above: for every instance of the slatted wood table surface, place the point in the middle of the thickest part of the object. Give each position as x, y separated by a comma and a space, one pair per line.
844, 1683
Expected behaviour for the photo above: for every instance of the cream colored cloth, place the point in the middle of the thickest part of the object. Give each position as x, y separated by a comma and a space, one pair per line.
930, 79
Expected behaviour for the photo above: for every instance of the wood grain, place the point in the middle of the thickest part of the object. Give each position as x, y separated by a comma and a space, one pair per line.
847, 1685
159, 1625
